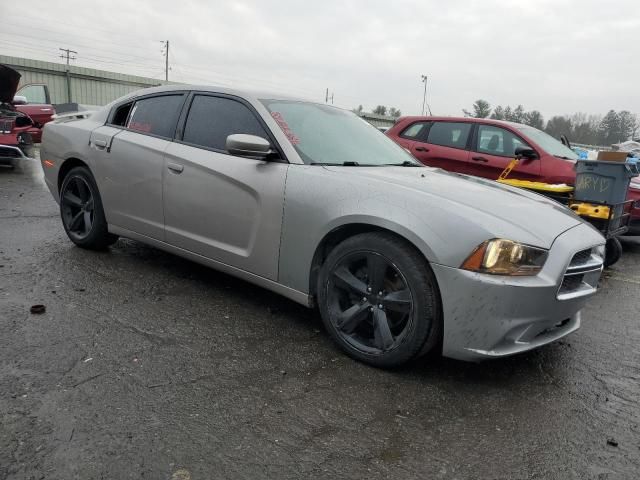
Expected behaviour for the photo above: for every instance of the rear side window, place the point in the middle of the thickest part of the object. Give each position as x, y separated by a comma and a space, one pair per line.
497, 141
449, 134
415, 130
156, 115
212, 119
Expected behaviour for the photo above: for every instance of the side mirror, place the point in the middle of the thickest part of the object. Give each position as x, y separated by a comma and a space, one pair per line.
252, 146
23, 121
526, 152
19, 100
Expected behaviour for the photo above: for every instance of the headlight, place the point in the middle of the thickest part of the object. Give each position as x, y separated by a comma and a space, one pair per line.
505, 257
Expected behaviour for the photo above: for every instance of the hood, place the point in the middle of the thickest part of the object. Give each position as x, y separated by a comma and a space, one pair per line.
9, 80
521, 215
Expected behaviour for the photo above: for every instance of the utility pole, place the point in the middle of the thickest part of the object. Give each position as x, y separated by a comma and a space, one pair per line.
166, 60
326, 96
67, 55
424, 97
332, 98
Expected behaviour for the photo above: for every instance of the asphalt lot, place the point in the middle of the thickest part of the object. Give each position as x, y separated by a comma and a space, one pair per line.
146, 365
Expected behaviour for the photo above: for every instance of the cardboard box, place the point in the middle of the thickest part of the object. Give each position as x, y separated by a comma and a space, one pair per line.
612, 156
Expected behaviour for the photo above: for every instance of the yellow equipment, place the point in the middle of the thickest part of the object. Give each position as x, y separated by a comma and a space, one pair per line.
583, 209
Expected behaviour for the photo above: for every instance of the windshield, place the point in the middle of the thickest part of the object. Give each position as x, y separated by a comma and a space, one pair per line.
548, 143
326, 135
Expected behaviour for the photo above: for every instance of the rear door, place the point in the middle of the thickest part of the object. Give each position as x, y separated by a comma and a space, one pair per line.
494, 148
128, 158
220, 206
444, 145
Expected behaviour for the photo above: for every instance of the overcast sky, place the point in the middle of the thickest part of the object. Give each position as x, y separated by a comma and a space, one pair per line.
559, 56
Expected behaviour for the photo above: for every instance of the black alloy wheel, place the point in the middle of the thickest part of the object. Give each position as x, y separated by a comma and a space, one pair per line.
77, 207
379, 299
81, 210
370, 303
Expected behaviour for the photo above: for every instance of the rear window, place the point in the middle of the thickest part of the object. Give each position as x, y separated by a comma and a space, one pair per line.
156, 115
449, 134
415, 130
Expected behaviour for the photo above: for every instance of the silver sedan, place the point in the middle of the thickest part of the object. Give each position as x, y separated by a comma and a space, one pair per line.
315, 204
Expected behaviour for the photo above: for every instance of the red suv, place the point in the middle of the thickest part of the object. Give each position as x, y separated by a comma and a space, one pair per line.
483, 147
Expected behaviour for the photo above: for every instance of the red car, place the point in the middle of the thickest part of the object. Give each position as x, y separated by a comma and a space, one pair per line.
16, 128
484, 147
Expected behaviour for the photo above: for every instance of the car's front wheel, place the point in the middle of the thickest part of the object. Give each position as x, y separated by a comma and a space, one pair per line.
81, 211
379, 300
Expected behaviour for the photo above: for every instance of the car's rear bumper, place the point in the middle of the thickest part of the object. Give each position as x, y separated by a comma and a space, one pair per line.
489, 316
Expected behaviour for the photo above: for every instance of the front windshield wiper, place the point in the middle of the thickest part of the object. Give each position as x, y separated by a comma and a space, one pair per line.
406, 163
343, 164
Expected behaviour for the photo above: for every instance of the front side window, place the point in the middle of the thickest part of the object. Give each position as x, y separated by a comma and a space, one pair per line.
449, 134
156, 115
497, 141
212, 119
34, 93
322, 134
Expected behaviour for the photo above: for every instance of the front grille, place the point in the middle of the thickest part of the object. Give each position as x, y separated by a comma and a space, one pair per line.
582, 274
6, 126
581, 257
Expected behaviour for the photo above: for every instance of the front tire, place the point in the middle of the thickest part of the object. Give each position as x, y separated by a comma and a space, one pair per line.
613, 251
81, 211
379, 300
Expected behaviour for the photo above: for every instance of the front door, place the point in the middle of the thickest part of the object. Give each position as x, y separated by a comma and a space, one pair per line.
494, 149
223, 207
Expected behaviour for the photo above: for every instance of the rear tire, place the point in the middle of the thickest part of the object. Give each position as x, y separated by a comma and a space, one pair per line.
81, 211
613, 251
379, 300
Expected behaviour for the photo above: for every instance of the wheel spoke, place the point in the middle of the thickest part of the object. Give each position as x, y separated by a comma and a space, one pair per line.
398, 301
75, 221
349, 320
376, 269
348, 281
87, 222
83, 191
383, 338
72, 199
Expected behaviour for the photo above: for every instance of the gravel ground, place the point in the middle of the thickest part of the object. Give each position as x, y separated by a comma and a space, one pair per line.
146, 365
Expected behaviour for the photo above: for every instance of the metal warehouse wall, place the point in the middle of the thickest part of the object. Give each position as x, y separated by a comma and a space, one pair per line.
88, 86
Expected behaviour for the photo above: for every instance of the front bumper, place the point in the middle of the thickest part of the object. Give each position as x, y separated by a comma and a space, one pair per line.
9, 154
489, 316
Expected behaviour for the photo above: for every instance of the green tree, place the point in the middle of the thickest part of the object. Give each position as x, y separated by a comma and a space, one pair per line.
394, 112
518, 114
380, 110
508, 114
481, 109
498, 113
559, 125
609, 129
534, 119
628, 123
358, 110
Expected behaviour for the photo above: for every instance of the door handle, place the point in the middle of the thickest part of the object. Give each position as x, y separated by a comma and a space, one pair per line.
479, 159
101, 144
175, 168
421, 149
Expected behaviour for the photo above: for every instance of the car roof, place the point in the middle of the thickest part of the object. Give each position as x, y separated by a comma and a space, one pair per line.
245, 93
487, 121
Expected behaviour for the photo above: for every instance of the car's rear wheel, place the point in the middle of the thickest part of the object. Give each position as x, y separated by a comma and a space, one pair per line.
379, 300
81, 211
